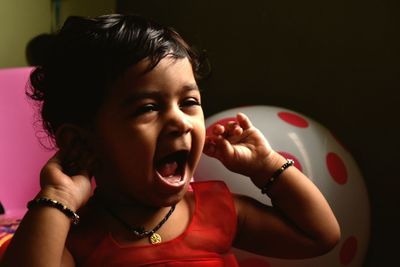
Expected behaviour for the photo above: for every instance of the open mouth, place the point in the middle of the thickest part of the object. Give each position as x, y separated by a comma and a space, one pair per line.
172, 167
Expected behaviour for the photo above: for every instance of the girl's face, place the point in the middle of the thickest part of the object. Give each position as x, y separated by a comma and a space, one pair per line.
150, 133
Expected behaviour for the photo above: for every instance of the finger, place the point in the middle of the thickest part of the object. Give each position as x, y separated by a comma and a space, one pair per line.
231, 124
218, 148
218, 129
55, 162
209, 147
85, 160
77, 159
224, 149
244, 121
82, 173
234, 129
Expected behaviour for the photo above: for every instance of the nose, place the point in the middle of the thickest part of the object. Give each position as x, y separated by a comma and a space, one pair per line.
178, 122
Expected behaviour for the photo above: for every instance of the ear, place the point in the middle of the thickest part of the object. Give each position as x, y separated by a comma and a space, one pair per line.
68, 136
76, 150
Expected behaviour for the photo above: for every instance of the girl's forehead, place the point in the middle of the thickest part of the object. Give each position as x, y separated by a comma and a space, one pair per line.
169, 69
169, 73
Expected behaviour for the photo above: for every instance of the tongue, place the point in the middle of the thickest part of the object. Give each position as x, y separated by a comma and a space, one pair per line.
168, 169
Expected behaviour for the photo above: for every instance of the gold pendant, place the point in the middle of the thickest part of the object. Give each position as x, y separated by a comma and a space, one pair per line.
155, 238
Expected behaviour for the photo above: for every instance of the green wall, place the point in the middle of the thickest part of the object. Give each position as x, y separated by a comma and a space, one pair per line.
21, 20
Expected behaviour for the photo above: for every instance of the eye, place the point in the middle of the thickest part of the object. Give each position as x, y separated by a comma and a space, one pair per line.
148, 108
189, 102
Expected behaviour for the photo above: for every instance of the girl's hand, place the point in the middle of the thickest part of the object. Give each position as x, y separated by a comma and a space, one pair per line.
68, 185
243, 149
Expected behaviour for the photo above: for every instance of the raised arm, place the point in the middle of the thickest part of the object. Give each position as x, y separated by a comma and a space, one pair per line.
40, 238
300, 223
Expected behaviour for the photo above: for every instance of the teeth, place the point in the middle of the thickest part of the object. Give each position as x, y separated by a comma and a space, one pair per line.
172, 166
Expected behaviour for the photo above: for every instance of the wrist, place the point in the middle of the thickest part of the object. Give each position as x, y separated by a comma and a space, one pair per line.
278, 172
61, 196
51, 203
270, 164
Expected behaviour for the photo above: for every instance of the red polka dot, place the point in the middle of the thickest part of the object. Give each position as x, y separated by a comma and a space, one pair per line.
348, 250
293, 119
221, 121
254, 262
336, 168
290, 156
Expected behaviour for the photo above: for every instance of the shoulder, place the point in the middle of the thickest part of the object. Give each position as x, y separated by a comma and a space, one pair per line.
85, 236
214, 213
209, 186
214, 197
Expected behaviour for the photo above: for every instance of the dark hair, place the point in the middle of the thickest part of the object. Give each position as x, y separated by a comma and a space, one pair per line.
37, 49
88, 56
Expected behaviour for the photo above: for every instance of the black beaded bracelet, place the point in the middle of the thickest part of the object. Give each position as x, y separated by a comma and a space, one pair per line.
55, 204
276, 174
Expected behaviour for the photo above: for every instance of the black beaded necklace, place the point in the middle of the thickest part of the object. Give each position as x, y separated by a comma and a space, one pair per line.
140, 232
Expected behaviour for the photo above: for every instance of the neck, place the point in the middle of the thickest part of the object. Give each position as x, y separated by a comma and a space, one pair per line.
130, 210
137, 225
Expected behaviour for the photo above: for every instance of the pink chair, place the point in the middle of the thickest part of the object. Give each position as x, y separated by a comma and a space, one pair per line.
21, 154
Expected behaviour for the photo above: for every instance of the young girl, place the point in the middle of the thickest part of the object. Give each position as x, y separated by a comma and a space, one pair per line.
119, 96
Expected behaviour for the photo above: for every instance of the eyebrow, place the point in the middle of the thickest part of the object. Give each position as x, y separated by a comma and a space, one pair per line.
154, 93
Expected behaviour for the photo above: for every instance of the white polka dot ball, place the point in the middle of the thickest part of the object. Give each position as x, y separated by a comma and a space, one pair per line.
319, 155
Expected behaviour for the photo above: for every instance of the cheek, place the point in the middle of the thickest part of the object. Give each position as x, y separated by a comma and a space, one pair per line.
202, 127
120, 153
200, 135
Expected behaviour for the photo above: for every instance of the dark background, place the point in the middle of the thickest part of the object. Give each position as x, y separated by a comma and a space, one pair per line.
334, 61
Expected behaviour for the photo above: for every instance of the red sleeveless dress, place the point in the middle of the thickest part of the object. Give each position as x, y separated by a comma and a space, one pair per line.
206, 242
